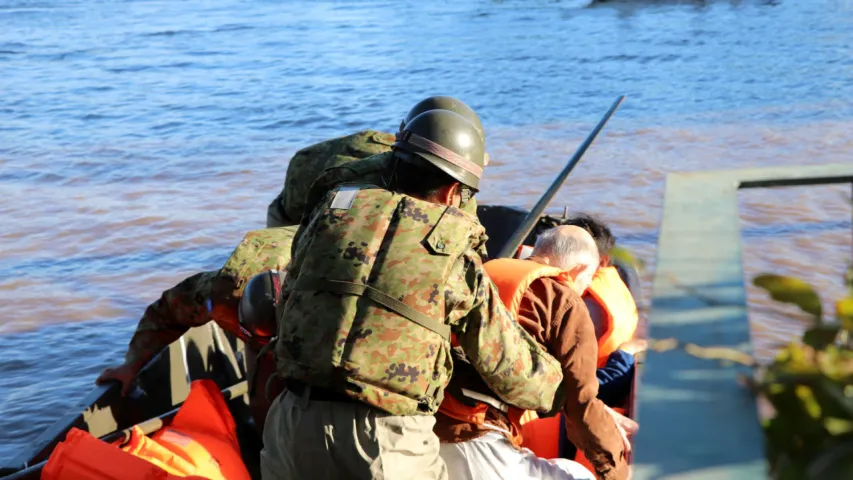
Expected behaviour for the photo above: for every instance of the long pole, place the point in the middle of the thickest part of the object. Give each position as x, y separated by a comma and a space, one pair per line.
529, 222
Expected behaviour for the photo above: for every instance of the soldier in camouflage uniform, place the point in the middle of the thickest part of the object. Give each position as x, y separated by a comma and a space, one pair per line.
203, 297
380, 280
337, 156
186, 305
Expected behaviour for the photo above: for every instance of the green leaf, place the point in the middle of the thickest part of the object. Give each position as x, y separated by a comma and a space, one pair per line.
821, 336
833, 403
791, 290
838, 426
806, 395
844, 312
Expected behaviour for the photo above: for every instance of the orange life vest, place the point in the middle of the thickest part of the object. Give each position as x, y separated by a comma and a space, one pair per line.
200, 442
513, 278
542, 435
620, 311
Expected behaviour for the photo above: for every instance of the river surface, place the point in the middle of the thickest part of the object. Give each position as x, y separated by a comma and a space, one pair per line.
140, 139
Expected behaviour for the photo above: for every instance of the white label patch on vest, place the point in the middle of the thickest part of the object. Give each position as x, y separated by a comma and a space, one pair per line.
344, 198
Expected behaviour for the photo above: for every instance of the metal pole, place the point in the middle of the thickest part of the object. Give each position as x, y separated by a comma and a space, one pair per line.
529, 222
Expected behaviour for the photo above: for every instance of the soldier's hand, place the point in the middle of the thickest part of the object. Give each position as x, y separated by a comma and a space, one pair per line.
124, 374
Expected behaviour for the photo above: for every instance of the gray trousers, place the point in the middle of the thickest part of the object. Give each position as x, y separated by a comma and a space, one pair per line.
319, 440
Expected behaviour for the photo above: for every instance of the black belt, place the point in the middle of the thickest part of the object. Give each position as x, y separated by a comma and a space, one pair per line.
318, 394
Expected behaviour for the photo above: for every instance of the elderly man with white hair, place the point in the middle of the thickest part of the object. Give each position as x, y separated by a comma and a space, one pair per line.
480, 433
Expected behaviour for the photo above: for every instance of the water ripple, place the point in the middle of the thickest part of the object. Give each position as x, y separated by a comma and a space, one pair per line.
140, 140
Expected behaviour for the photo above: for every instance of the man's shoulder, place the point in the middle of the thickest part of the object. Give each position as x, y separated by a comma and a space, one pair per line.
258, 251
265, 235
359, 144
264, 247
359, 169
369, 171
551, 287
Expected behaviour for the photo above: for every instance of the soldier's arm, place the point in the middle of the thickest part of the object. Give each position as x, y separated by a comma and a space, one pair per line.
275, 214
510, 361
164, 321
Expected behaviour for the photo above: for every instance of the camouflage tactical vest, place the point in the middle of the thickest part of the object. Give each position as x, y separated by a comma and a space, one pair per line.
366, 313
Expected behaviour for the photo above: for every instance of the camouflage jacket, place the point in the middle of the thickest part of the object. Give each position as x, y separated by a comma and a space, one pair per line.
316, 170
378, 282
307, 164
374, 171
186, 304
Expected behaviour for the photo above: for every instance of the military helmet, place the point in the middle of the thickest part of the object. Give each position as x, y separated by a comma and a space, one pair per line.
448, 141
256, 312
446, 103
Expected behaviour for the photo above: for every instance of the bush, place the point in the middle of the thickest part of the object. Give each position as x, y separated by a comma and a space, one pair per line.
810, 387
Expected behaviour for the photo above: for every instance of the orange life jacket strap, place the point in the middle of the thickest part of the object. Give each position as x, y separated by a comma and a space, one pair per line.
476, 415
542, 436
457, 410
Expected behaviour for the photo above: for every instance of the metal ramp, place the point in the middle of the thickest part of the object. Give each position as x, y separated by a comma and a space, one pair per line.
696, 421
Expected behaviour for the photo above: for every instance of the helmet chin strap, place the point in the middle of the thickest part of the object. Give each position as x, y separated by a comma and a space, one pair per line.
466, 193
390, 182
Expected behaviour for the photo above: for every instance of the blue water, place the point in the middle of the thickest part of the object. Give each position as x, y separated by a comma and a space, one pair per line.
140, 139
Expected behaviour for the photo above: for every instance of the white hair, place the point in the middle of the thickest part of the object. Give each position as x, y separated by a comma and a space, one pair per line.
566, 247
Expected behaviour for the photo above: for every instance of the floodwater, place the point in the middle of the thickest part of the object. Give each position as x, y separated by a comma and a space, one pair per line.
140, 139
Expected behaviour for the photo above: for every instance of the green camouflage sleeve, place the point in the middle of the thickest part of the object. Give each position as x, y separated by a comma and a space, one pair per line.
308, 164
508, 358
276, 216
164, 321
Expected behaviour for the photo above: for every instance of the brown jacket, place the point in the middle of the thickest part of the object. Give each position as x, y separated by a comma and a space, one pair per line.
557, 317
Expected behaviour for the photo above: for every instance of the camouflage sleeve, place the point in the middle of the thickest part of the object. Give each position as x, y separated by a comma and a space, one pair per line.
275, 214
164, 321
509, 359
